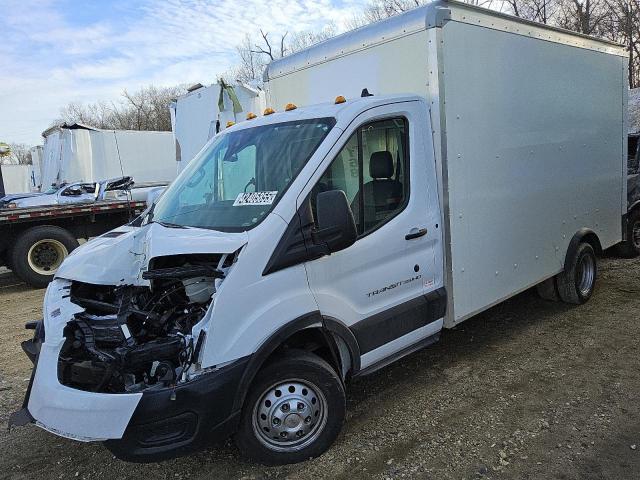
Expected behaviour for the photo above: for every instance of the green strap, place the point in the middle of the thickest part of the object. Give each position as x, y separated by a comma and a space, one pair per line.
237, 108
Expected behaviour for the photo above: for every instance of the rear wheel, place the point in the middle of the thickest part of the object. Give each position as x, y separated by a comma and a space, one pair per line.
294, 410
38, 253
577, 283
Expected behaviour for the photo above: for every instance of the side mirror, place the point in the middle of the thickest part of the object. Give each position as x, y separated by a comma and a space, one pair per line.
336, 226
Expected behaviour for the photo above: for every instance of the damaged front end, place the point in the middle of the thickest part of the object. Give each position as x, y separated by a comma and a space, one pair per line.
131, 338
120, 362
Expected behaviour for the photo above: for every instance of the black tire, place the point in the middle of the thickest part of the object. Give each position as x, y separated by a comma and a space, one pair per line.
52, 239
576, 284
631, 248
292, 369
547, 290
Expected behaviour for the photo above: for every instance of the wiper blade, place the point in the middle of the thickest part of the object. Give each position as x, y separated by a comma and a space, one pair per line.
168, 225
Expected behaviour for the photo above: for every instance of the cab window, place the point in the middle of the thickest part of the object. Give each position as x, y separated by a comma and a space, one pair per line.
372, 170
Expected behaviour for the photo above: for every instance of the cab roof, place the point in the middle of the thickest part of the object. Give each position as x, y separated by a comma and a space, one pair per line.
347, 111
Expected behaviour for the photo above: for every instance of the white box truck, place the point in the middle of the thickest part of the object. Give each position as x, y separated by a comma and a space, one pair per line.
309, 246
203, 111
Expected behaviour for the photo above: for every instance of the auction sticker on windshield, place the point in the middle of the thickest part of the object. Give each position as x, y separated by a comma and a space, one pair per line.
255, 198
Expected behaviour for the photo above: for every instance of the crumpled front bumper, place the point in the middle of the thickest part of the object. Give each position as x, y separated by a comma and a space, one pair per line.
68, 412
141, 427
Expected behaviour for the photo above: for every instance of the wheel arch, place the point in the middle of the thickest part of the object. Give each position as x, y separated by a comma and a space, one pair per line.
583, 235
311, 328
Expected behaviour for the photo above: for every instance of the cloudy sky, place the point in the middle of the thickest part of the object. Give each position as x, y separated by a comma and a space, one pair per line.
57, 51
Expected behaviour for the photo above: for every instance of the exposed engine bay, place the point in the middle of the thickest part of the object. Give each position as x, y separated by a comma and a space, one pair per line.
131, 338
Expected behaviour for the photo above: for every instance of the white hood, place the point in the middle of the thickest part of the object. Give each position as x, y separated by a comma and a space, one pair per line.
121, 259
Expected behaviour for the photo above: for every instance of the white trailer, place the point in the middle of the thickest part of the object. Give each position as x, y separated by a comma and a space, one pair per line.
205, 110
16, 178
79, 153
312, 245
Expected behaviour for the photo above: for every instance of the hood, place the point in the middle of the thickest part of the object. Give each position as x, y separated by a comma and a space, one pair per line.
120, 256
37, 200
17, 196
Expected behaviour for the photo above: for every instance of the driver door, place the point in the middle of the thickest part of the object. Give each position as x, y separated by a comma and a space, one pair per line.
386, 287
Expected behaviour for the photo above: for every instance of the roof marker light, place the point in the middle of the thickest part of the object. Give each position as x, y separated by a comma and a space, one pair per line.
251, 116
268, 111
340, 99
230, 124
289, 107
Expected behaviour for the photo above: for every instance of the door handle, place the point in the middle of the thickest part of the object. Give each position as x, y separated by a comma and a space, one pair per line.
417, 234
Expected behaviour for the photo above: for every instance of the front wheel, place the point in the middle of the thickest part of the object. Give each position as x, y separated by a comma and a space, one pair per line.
293, 412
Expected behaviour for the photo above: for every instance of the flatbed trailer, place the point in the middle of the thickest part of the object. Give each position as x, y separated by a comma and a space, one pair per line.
35, 241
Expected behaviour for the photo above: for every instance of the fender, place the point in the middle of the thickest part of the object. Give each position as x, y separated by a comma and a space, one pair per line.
582, 235
340, 329
310, 320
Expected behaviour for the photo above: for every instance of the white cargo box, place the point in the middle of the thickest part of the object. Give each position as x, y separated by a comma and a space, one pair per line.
196, 115
78, 153
529, 127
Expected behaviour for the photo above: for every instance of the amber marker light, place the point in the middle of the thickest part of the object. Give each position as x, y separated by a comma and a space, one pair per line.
340, 99
268, 111
289, 107
251, 116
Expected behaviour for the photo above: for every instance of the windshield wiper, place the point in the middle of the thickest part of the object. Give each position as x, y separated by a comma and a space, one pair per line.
168, 225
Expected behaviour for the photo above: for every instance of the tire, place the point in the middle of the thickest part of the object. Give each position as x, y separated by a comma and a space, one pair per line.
547, 290
577, 283
314, 398
38, 252
631, 248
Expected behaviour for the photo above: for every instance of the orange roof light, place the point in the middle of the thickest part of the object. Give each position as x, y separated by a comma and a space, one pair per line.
230, 124
289, 107
251, 116
268, 111
340, 99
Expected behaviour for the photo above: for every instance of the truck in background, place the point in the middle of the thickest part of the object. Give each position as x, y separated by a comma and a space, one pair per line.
321, 242
205, 110
80, 153
630, 247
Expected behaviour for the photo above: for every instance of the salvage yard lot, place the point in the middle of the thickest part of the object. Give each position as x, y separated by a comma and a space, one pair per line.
528, 389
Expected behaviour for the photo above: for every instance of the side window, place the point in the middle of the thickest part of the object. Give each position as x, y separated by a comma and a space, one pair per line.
372, 170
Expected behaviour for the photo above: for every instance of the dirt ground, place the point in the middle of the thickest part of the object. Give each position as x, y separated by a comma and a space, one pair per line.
527, 390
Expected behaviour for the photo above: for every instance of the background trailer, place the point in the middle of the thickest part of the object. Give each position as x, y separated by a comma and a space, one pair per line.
196, 115
79, 153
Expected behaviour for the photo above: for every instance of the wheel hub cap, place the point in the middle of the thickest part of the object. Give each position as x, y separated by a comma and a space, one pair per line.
289, 415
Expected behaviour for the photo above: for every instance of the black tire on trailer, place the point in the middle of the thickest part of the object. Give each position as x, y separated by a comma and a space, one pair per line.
38, 252
577, 283
631, 248
294, 410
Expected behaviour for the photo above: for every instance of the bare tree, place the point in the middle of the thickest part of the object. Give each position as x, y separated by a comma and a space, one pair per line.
144, 109
20, 155
251, 65
255, 56
624, 27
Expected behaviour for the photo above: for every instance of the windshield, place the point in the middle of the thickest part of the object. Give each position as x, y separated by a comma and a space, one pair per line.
240, 176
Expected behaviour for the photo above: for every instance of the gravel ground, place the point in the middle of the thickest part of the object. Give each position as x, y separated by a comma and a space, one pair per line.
527, 390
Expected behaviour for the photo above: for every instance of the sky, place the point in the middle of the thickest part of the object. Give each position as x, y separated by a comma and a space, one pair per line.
57, 51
